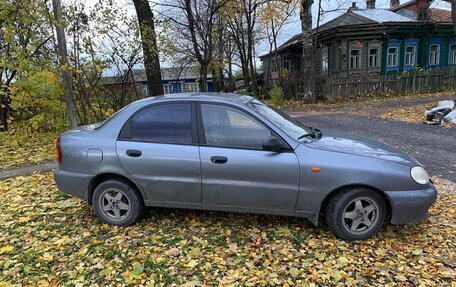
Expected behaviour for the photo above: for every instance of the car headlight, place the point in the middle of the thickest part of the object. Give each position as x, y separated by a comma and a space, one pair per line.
419, 175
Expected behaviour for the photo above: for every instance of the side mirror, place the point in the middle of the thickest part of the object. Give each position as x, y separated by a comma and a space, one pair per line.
272, 144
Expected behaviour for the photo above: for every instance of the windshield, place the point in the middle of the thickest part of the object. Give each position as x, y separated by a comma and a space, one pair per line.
290, 126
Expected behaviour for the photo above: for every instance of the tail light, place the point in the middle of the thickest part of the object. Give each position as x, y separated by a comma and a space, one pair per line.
58, 147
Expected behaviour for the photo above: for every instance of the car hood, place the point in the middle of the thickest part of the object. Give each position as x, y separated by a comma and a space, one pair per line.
363, 147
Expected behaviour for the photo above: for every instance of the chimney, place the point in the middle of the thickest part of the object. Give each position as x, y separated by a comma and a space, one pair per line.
353, 6
422, 10
370, 4
394, 3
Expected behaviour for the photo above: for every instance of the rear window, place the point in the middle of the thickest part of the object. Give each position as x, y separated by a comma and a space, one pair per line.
166, 123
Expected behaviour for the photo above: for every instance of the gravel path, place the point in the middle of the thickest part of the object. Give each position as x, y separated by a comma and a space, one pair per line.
432, 146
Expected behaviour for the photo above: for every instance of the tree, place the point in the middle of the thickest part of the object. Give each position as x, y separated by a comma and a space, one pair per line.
273, 17
150, 48
195, 24
24, 44
453, 13
62, 52
309, 85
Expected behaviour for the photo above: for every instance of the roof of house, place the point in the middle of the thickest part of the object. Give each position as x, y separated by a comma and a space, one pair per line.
381, 15
408, 9
352, 17
440, 15
357, 16
168, 74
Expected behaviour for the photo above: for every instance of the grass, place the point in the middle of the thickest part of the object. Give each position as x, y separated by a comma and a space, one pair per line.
50, 239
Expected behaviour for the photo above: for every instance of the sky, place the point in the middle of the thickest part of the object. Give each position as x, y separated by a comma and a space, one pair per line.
336, 8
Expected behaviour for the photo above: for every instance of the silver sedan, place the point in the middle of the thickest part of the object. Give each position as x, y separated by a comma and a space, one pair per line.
230, 152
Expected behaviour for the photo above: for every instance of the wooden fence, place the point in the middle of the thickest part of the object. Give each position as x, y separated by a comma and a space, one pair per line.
407, 82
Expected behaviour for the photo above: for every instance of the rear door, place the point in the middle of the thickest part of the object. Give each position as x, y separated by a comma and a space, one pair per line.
236, 171
158, 147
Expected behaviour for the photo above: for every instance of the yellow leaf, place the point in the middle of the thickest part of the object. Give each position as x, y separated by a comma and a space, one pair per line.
193, 283
24, 219
343, 261
48, 257
192, 263
6, 249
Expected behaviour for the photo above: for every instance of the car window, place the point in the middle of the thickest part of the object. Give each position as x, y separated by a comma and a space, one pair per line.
229, 127
287, 124
168, 123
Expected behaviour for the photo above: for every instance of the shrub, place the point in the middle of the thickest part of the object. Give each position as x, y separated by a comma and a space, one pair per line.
276, 95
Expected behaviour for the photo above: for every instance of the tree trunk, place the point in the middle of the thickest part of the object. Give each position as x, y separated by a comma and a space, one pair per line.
453, 15
150, 49
62, 49
5, 102
309, 85
203, 78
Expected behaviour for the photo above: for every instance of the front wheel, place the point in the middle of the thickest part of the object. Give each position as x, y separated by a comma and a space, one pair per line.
356, 214
117, 202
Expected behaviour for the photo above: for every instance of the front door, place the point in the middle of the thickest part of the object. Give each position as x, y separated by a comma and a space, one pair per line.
159, 150
236, 171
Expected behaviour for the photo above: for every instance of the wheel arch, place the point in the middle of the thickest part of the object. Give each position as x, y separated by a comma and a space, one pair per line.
97, 180
324, 204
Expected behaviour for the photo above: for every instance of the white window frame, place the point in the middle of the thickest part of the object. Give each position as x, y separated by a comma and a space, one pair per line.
355, 60
168, 88
373, 57
452, 55
392, 60
410, 56
324, 59
434, 56
195, 85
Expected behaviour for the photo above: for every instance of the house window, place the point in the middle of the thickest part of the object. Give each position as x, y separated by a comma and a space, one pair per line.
373, 58
168, 89
190, 87
434, 55
410, 52
290, 62
324, 60
355, 59
452, 56
273, 65
392, 57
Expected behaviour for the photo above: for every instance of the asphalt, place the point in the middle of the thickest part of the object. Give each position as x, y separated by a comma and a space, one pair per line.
433, 146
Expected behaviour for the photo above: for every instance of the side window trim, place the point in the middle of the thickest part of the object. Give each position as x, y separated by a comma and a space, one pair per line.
126, 135
202, 136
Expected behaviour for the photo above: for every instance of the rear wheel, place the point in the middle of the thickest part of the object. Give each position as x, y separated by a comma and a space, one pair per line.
356, 214
117, 202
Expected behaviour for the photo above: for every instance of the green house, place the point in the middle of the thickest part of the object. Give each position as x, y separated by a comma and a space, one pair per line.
372, 42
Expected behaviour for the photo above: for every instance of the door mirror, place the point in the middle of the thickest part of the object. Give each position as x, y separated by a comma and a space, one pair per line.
272, 144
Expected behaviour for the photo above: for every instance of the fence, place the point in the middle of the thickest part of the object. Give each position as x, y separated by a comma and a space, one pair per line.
408, 82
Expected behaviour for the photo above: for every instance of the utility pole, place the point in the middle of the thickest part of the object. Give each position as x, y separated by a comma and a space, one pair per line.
64, 67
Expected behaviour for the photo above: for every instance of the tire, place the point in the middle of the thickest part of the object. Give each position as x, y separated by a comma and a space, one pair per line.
356, 214
117, 202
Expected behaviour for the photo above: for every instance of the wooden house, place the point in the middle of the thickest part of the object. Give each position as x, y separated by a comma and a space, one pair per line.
372, 42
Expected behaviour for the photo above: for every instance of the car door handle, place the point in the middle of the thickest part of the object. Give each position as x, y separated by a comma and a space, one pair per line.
219, 159
134, 152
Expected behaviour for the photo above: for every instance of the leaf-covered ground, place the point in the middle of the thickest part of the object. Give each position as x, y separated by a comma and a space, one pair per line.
50, 239
411, 114
19, 148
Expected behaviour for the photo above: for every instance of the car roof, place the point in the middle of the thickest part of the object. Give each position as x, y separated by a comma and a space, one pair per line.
216, 97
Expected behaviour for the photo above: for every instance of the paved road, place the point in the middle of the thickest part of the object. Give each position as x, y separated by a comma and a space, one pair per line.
432, 146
